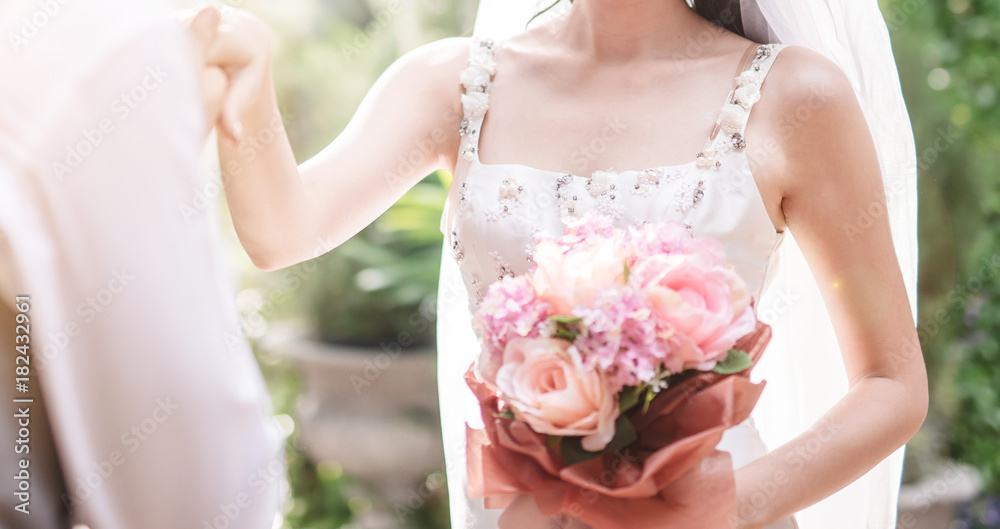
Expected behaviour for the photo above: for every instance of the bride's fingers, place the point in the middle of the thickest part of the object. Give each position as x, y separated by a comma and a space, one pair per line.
214, 85
244, 91
242, 49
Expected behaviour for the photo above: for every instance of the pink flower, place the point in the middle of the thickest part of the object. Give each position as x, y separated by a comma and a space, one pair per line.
574, 278
591, 226
670, 238
510, 309
620, 337
703, 310
547, 385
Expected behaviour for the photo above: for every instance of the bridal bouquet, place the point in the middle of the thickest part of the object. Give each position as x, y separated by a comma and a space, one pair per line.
607, 376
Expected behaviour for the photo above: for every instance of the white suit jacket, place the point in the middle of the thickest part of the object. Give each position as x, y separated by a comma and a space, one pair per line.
158, 411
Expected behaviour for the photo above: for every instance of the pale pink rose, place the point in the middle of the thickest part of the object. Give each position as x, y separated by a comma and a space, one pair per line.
574, 278
704, 309
545, 382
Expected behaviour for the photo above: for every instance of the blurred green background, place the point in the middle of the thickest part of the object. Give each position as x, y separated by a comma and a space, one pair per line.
380, 286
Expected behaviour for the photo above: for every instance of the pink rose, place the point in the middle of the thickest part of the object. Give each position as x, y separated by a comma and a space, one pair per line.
574, 278
548, 387
704, 309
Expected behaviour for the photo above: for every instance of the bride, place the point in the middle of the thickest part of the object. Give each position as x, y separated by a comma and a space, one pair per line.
646, 111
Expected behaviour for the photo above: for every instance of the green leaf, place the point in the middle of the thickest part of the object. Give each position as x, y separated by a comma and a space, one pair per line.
505, 414
573, 452
566, 334
735, 362
649, 398
627, 272
630, 397
624, 435
566, 327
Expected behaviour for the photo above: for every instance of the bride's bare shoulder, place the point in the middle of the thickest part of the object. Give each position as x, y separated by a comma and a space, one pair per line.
801, 76
808, 105
431, 72
435, 62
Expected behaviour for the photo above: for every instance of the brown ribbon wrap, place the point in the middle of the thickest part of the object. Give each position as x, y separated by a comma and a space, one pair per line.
672, 476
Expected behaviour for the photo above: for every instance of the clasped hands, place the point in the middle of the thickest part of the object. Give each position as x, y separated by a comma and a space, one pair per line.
232, 50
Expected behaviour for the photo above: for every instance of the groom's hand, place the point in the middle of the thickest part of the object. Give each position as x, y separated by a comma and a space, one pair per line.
242, 49
204, 27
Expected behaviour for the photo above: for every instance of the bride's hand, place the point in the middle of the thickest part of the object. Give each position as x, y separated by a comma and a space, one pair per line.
242, 49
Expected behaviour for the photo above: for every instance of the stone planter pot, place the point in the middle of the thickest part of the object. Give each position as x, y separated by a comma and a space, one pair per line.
932, 503
373, 411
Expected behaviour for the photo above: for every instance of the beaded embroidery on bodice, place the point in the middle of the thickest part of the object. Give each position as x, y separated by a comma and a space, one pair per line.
494, 210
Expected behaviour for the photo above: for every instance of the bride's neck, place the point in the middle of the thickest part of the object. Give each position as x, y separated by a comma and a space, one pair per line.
622, 30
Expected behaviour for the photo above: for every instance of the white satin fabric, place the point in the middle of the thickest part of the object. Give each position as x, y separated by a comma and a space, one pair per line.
801, 387
490, 235
158, 410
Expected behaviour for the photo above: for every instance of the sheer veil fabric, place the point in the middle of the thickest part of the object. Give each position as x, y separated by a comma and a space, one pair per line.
802, 365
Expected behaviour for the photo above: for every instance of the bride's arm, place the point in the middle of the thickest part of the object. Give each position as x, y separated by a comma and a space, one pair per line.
828, 173
405, 128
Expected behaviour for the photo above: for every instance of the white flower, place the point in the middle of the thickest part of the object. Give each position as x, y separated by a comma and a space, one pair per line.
748, 77
509, 189
600, 181
748, 95
482, 60
475, 104
733, 115
474, 78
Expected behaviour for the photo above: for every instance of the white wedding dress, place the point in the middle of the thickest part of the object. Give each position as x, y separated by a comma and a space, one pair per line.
493, 211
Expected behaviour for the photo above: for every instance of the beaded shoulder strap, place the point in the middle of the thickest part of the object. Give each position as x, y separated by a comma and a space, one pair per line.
476, 79
730, 128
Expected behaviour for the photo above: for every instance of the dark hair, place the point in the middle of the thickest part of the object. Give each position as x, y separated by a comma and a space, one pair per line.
724, 13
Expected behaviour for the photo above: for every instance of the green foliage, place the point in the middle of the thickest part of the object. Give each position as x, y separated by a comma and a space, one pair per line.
975, 432
735, 361
572, 451
319, 499
948, 55
380, 286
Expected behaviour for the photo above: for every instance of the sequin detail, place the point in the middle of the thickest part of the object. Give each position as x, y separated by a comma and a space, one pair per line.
567, 199
503, 269
457, 252
734, 114
511, 192
476, 100
601, 185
